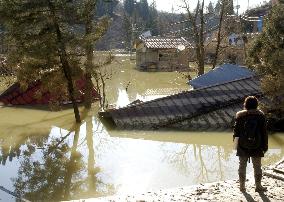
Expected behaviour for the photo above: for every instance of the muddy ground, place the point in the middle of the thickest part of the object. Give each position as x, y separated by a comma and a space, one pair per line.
218, 191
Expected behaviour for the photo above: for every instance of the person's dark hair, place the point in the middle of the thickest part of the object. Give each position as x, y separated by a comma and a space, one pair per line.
251, 102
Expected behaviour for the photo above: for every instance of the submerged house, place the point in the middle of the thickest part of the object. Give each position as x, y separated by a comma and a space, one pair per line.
36, 95
162, 53
221, 74
208, 108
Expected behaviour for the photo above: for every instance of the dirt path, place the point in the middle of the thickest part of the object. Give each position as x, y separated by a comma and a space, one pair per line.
218, 191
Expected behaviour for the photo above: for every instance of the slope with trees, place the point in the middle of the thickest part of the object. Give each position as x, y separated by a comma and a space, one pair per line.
266, 56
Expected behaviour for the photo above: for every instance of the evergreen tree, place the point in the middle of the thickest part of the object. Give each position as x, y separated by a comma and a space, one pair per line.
153, 19
229, 7
217, 8
143, 9
38, 32
105, 7
210, 8
266, 56
127, 30
129, 6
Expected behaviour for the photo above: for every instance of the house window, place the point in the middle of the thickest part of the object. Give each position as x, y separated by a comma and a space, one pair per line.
230, 41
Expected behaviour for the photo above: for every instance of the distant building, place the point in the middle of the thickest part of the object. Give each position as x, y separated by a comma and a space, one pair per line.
235, 40
274, 2
162, 53
253, 19
260, 24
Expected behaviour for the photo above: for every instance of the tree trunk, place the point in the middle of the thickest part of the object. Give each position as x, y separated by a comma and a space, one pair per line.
219, 36
201, 41
195, 31
89, 11
92, 179
198, 34
70, 165
64, 62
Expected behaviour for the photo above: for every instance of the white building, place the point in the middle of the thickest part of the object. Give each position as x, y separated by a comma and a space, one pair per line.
235, 40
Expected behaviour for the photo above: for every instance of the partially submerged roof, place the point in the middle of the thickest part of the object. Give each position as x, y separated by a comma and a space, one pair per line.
221, 74
14, 95
165, 42
211, 106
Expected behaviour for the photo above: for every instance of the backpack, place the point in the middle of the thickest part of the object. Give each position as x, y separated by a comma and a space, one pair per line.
250, 138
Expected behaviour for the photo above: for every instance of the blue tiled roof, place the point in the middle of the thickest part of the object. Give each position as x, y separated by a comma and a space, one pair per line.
221, 74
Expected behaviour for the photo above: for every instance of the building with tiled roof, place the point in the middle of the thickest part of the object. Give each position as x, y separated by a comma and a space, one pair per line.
164, 42
162, 53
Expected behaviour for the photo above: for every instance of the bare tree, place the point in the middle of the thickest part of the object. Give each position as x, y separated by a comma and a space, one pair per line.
198, 31
102, 73
219, 35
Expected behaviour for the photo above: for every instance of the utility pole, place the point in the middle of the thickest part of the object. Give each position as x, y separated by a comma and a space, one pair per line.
248, 5
244, 37
133, 28
132, 38
237, 7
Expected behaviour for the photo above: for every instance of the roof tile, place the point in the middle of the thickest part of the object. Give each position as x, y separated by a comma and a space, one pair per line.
164, 43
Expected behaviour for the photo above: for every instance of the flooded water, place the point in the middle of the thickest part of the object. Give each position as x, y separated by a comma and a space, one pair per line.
44, 155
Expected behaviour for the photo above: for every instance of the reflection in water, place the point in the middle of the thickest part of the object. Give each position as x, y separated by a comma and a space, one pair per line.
122, 99
91, 157
89, 161
190, 159
47, 165
73, 165
53, 167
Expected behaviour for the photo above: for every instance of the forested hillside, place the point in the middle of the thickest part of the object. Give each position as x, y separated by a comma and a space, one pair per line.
131, 18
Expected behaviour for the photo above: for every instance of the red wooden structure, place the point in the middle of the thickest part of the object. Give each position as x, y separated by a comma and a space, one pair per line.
14, 95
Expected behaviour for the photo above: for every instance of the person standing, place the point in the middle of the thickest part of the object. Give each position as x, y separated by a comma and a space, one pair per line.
251, 130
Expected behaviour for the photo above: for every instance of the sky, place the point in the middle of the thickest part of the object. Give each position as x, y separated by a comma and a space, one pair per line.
166, 5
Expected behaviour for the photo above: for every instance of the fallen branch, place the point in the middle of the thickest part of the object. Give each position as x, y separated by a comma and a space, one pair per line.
13, 194
278, 170
273, 176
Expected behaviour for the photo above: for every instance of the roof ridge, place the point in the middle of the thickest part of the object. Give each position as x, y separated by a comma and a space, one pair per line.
211, 86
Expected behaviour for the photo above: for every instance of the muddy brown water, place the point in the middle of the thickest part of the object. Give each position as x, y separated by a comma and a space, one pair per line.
45, 156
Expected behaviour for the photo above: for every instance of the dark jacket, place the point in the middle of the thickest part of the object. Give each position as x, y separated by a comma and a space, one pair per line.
240, 120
